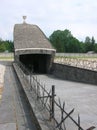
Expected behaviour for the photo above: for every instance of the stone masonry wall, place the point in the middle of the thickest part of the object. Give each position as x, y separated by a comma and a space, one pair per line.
74, 74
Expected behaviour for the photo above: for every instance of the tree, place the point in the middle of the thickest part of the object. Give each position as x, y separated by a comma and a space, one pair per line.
93, 43
87, 39
93, 40
95, 48
82, 47
57, 40
6, 45
89, 44
63, 41
9, 45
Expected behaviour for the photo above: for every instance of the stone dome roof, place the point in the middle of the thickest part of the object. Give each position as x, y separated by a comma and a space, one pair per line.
27, 36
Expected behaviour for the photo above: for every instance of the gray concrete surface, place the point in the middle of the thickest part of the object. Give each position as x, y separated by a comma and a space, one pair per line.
14, 109
7, 113
14, 112
41, 115
82, 97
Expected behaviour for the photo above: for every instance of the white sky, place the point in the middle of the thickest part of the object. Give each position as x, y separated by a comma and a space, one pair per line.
79, 16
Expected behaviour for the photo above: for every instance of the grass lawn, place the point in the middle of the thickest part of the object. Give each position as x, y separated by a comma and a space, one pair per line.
6, 56
93, 58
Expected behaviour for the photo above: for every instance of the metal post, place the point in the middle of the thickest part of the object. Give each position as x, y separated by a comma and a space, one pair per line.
52, 101
30, 81
37, 91
78, 122
53, 95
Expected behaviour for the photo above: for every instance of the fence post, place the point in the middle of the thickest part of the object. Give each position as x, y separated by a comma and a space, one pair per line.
53, 96
78, 122
30, 81
37, 90
52, 102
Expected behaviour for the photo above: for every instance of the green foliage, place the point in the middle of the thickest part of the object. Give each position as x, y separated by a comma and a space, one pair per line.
64, 41
95, 48
89, 44
6, 46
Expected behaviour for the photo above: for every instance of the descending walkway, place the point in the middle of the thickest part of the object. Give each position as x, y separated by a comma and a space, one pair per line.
14, 110
82, 97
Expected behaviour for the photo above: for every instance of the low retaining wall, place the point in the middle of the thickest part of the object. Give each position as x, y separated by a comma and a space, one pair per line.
74, 74
39, 114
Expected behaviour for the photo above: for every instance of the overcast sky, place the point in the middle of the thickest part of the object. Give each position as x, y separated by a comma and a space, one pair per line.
79, 16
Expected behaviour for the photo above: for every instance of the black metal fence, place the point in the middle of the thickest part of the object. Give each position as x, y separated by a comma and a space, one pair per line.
63, 120
57, 114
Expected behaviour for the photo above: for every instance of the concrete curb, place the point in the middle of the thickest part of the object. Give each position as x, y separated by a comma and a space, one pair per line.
40, 114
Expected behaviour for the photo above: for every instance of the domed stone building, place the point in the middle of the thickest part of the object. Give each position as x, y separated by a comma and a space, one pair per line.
32, 48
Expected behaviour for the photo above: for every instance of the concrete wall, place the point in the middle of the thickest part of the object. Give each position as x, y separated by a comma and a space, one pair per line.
74, 74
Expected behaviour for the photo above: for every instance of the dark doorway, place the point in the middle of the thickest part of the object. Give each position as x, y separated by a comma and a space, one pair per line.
38, 63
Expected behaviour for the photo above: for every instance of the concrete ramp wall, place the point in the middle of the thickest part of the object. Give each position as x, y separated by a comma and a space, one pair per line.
74, 74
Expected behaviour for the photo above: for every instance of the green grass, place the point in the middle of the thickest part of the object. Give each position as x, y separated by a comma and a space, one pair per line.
77, 57
6, 58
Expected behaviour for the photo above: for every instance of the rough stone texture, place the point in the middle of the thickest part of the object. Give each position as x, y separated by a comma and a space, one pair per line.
29, 36
30, 40
75, 74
